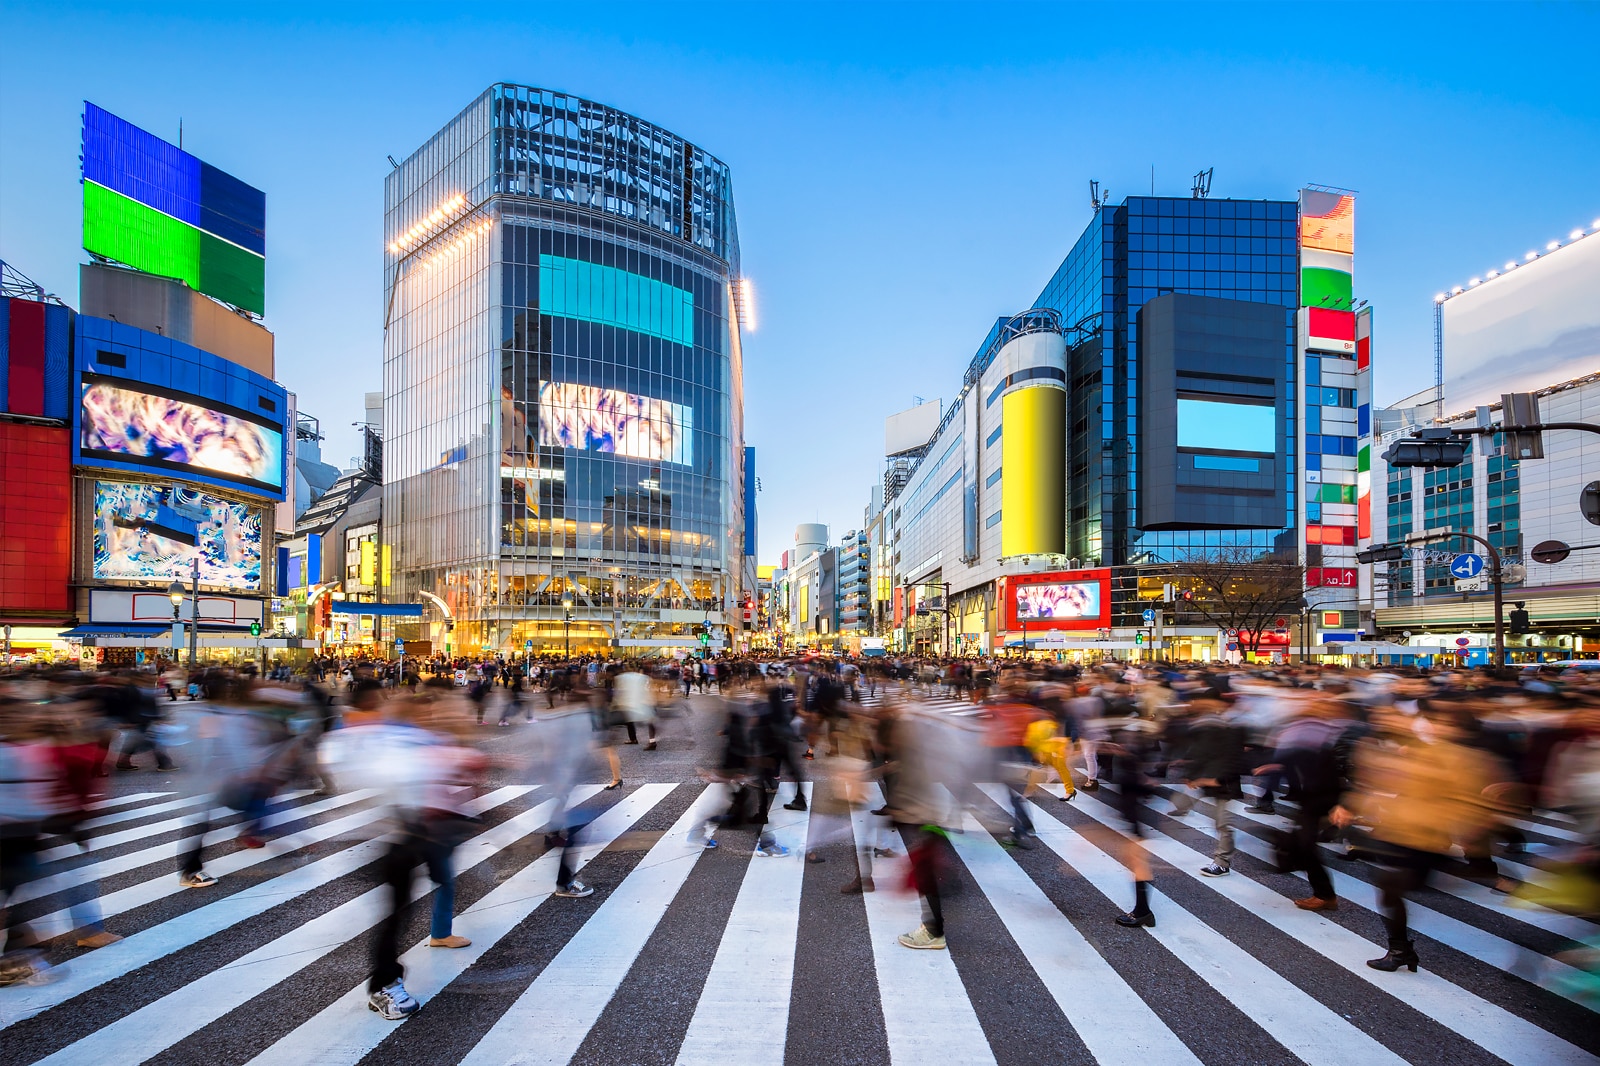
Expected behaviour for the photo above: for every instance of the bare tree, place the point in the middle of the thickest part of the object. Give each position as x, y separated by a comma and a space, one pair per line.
1239, 588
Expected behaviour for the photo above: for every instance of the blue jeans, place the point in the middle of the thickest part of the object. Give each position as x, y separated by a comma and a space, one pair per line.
443, 875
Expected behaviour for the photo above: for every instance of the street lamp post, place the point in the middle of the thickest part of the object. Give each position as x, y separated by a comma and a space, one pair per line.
194, 613
175, 593
566, 606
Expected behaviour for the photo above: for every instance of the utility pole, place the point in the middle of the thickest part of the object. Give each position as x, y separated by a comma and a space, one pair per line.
194, 613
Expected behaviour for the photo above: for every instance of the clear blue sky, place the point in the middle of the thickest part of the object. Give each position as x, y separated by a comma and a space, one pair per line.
903, 173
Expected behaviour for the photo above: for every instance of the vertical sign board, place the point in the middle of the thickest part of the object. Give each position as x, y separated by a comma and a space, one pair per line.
1330, 324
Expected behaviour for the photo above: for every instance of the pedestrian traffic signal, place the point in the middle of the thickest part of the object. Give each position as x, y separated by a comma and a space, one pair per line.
1138, 638
255, 629
1430, 448
1519, 620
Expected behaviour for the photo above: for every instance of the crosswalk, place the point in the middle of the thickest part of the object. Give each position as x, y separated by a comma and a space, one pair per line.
708, 957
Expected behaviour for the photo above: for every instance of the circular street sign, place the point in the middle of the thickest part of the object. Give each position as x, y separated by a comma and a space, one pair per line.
1466, 565
1550, 551
1462, 642
1589, 503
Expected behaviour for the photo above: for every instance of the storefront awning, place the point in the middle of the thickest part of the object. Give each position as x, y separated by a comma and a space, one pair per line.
113, 629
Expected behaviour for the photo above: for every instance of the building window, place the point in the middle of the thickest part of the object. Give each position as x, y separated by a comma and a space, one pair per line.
992, 521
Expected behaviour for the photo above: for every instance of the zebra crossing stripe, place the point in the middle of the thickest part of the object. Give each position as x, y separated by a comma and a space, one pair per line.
927, 1015
1496, 1030
1468, 939
345, 1031
1115, 1024
164, 885
122, 801
164, 1022
742, 1016
133, 860
566, 999
142, 812
143, 832
175, 934
1298, 1021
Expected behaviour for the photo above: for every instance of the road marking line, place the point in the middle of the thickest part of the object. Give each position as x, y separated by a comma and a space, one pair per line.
1291, 1016
1114, 1022
164, 1022
927, 1014
345, 1031
742, 1016
1496, 1030
548, 1022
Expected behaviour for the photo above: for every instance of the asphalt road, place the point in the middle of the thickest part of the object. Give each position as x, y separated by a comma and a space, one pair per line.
718, 956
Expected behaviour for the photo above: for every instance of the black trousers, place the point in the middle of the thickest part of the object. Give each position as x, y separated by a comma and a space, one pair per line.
1404, 870
1307, 828
396, 868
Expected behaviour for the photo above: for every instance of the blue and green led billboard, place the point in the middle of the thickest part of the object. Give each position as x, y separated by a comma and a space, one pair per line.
152, 206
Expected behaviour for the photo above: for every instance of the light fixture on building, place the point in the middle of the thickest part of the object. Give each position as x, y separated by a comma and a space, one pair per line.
435, 218
744, 302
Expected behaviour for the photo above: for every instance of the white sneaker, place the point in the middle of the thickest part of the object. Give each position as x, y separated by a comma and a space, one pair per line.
196, 880
394, 1003
574, 889
921, 938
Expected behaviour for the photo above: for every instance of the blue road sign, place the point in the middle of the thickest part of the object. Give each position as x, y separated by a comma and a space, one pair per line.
1149, 616
399, 645
1466, 565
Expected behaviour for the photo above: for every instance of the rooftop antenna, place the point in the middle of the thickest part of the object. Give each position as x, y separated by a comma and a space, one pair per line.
392, 163
1202, 184
1095, 200
180, 134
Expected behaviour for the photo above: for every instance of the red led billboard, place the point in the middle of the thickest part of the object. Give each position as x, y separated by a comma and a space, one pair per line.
1063, 599
35, 523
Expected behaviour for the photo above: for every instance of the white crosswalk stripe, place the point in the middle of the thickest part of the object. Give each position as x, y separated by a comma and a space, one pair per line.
743, 1003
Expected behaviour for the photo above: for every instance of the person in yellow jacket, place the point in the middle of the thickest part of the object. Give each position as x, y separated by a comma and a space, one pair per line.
1421, 787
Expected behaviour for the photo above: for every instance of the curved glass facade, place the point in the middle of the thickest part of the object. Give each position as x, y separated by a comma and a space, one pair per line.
563, 398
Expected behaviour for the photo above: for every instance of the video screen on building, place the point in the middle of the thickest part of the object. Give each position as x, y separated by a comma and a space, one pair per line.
1071, 601
595, 419
156, 532
155, 207
132, 425
1226, 426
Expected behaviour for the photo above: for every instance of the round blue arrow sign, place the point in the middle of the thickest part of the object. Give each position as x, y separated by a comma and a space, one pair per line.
1466, 565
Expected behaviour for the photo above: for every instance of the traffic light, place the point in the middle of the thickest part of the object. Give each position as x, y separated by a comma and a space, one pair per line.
1188, 595
1521, 409
1430, 447
255, 629
1519, 620
1138, 638
1381, 553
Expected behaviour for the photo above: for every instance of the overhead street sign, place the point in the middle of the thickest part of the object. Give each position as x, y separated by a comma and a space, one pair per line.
1550, 551
1466, 565
1149, 616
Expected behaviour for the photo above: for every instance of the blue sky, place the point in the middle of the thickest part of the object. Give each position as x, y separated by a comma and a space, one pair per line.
903, 173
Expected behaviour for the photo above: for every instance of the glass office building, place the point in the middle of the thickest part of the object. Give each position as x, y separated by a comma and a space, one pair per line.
1131, 254
562, 381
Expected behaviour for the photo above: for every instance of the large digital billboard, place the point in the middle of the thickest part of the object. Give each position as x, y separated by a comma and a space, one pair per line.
1227, 426
1533, 325
1072, 599
156, 532
149, 427
154, 207
595, 419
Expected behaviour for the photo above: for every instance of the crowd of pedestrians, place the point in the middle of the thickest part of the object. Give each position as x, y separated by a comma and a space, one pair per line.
1412, 772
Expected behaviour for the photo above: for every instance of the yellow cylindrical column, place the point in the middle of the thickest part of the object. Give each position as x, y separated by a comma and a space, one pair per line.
1033, 485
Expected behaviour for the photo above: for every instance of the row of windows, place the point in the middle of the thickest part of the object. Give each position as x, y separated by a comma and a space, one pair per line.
1324, 444
1329, 396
